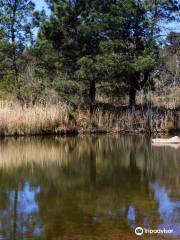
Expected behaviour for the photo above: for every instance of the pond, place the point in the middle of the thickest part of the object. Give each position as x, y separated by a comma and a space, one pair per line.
88, 187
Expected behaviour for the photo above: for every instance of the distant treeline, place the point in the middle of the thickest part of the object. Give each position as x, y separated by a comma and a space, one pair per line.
85, 48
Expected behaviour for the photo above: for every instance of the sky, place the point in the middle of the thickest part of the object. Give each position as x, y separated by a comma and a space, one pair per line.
40, 4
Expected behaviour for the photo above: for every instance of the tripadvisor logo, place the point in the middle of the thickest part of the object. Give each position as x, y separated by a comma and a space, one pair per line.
140, 231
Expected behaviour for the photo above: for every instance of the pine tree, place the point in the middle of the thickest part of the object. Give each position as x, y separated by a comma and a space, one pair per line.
107, 42
76, 29
14, 17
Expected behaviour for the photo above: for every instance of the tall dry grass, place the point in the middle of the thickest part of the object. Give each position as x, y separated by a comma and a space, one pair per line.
149, 120
16, 119
39, 119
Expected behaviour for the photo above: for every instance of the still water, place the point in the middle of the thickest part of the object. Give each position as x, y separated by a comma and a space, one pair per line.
88, 188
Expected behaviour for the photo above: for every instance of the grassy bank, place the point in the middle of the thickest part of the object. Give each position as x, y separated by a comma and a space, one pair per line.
18, 120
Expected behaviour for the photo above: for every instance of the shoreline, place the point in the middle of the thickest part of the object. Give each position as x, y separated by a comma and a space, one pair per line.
74, 133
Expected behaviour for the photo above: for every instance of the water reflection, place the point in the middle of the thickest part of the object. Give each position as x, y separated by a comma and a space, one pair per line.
20, 216
132, 216
95, 187
169, 210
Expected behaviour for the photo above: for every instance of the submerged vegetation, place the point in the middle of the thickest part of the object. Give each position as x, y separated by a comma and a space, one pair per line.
88, 66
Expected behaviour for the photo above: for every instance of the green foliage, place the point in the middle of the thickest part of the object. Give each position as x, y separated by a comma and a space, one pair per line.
69, 90
146, 61
16, 29
31, 91
5, 56
47, 58
111, 43
69, 86
83, 46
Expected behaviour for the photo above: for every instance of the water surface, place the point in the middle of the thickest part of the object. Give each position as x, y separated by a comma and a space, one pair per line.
88, 188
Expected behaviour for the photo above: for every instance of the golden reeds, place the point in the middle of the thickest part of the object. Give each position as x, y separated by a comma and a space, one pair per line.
39, 119
21, 120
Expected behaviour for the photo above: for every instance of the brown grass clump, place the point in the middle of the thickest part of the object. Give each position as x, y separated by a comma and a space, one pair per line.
126, 121
31, 120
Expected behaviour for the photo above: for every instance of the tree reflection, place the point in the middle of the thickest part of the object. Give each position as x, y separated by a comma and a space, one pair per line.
92, 166
81, 187
15, 214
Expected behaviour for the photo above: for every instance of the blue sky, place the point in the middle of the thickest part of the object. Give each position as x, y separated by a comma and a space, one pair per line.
40, 4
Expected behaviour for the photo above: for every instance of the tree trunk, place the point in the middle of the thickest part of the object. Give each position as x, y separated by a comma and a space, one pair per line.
92, 95
132, 97
13, 40
14, 63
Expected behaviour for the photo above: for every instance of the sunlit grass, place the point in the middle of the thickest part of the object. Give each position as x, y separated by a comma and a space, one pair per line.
43, 119
16, 119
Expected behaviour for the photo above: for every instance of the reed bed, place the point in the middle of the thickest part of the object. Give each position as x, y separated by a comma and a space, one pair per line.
43, 119
138, 121
16, 119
